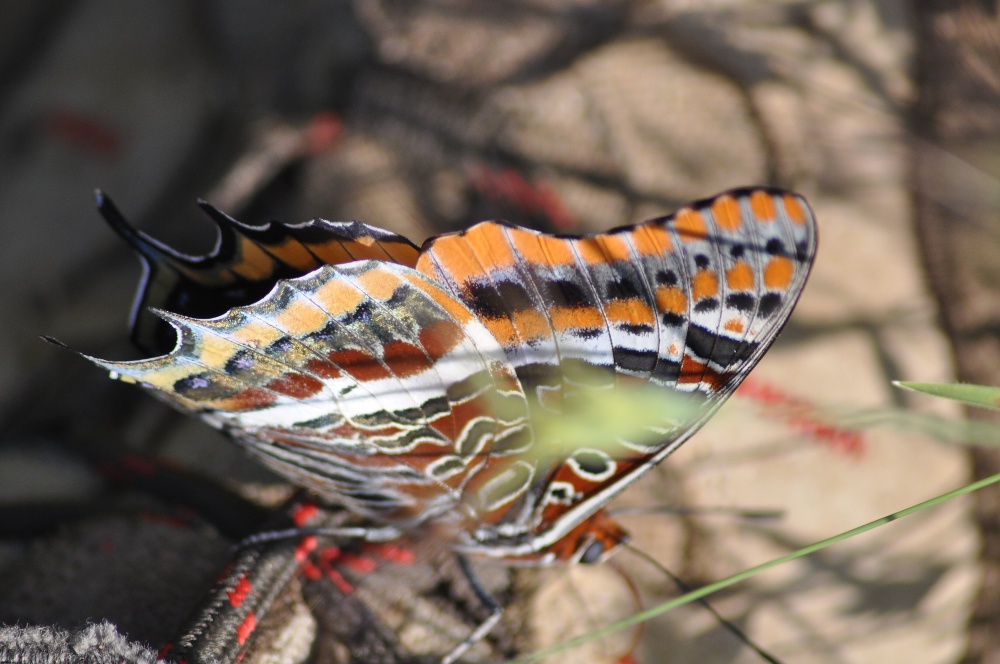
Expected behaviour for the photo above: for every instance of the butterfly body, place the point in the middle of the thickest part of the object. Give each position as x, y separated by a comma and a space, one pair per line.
406, 384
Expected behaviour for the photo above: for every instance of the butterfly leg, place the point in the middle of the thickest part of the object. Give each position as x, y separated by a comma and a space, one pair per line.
487, 625
383, 534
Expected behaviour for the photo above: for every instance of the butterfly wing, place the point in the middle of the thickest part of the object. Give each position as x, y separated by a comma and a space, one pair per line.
365, 382
242, 268
688, 303
408, 393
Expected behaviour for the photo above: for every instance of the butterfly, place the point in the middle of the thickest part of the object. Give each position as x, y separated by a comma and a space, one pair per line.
405, 384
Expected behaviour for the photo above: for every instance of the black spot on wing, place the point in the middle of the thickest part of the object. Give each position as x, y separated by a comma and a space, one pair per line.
593, 553
708, 304
564, 292
591, 463
202, 387
334, 336
670, 319
361, 314
769, 303
666, 278
515, 296
666, 371
586, 332
802, 253
241, 362
414, 414
280, 347
740, 301
622, 288
560, 493
635, 328
721, 350
496, 302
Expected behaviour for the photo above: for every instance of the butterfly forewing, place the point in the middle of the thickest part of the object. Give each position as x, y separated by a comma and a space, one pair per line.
409, 387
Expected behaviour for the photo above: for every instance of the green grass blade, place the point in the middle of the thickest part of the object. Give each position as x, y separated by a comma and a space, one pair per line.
968, 433
974, 395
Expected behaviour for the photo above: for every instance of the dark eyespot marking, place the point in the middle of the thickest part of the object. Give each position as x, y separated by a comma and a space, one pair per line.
708, 304
515, 296
670, 319
769, 304
740, 301
666, 278
621, 289
565, 292
281, 346
490, 302
240, 362
559, 493
802, 252
192, 383
591, 463
720, 350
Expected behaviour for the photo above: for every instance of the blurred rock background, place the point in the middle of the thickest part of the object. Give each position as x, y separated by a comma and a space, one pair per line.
424, 117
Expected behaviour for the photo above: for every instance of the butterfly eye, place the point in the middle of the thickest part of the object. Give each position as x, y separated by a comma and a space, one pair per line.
593, 553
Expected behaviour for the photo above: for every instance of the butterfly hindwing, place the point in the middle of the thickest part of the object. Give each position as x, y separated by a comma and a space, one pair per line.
243, 266
364, 382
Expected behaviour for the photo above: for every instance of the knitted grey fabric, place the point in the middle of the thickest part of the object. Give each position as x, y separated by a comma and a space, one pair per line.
99, 643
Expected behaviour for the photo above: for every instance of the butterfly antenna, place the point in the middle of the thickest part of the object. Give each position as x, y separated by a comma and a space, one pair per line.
740, 513
726, 623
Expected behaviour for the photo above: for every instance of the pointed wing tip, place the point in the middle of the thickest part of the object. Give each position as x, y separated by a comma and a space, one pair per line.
118, 370
169, 316
224, 220
119, 224
213, 212
54, 341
